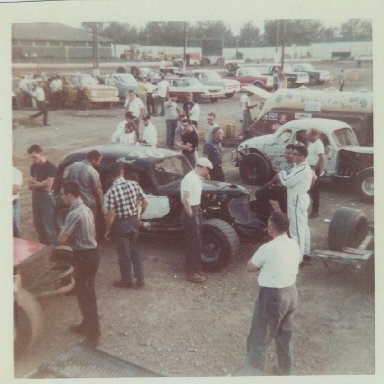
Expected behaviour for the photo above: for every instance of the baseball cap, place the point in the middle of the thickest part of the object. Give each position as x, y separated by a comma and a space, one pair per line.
204, 162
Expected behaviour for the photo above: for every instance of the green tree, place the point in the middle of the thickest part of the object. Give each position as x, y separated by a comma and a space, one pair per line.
249, 36
212, 30
121, 33
356, 30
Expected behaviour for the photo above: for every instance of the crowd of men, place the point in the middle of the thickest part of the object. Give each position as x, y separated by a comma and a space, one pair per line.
124, 203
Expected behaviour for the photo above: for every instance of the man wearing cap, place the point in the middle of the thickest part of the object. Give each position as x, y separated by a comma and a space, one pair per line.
39, 95
190, 189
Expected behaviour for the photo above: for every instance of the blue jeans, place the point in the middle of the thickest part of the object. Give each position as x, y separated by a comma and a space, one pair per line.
126, 235
16, 218
273, 319
171, 128
43, 209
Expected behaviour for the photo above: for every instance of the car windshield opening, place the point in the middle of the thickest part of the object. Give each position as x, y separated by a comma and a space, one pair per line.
345, 137
171, 169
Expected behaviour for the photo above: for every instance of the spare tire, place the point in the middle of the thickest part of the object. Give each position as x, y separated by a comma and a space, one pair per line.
255, 169
348, 228
219, 243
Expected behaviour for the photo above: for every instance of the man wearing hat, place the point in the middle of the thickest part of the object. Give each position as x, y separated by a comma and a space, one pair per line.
190, 189
39, 95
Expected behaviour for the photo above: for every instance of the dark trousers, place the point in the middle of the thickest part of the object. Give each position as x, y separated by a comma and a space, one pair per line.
85, 263
193, 246
191, 156
42, 107
160, 102
275, 192
273, 320
43, 210
314, 193
217, 173
171, 129
150, 104
126, 235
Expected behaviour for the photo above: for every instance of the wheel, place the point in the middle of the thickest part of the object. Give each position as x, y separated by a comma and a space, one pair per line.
255, 170
365, 185
231, 67
348, 228
229, 95
135, 71
214, 99
258, 84
220, 242
27, 320
205, 62
220, 62
313, 80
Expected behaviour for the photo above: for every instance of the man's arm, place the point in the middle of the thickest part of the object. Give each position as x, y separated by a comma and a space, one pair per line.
252, 267
109, 218
320, 163
45, 184
186, 204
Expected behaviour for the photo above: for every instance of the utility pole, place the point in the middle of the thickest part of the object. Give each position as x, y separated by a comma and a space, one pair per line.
95, 49
277, 39
185, 46
283, 44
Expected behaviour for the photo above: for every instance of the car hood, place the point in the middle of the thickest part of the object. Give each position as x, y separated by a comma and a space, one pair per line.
358, 149
256, 142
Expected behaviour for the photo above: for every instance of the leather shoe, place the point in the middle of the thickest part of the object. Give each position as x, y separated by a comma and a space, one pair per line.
139, 283
195, 278
122, 284
92, 341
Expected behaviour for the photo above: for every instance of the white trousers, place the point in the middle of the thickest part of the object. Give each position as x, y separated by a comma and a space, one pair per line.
297, 211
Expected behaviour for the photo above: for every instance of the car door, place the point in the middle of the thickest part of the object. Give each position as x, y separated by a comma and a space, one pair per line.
276, 147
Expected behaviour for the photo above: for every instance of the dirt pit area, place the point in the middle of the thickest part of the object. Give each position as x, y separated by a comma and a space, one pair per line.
176, 328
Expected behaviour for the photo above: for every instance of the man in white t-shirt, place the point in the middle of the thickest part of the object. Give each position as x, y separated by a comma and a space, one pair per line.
125, 135
190, 190
149, 136
277, 263
162, 92
134, 105
315, 160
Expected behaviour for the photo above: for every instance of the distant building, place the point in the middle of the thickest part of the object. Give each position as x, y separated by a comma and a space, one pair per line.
55, 41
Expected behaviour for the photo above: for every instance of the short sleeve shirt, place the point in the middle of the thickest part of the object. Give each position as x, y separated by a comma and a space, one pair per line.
79, 225
42, 171
314, 150
124, 197
278, 261
192, 183
88, 178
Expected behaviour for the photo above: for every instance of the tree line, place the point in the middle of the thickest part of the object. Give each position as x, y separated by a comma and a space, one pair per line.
296, 32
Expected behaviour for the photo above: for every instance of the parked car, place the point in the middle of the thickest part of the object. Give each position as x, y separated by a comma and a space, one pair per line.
84, 91
316, 76
211, 77
227, 210
124, 82
251, 76
181, 87
294, 79
258, 157
355, 108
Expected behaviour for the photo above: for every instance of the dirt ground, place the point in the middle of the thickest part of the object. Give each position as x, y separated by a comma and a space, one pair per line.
176, 328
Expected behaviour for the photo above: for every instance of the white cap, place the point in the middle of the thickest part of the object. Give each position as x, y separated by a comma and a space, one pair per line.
204, 162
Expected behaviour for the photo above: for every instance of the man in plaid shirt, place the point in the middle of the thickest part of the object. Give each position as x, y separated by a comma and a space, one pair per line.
124, 202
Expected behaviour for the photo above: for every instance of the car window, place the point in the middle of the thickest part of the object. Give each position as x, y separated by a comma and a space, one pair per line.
344, 137
284, 137
171, 169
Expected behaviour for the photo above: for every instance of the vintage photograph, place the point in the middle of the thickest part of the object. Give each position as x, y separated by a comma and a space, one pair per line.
192, 198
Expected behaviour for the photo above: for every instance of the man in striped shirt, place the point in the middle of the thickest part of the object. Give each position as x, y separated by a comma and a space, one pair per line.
78, 231
124, 202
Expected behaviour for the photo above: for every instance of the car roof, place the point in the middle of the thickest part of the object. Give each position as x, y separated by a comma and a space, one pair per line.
127, 152
324, 125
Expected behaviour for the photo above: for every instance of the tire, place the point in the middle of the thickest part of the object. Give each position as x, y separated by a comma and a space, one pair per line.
229, 95
220, 242
258, 85
220, 62
205, 62
365, 185
255, 170
231, 67
214, 99
27, 320
348, 228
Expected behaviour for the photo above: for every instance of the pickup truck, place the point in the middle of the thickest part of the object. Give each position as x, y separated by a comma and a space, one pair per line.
251, 76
